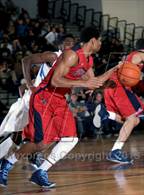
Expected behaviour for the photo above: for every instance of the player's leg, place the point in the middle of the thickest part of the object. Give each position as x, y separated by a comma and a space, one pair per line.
15, 120
40, 119
40, 176
60, 150
17, 117
116, 154
6, 129
65, 127
26, 149
62, 125
5, 146
8, 163
127, 105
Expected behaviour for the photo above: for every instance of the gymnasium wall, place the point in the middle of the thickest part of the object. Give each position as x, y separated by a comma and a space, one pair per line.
95, 4
130, 10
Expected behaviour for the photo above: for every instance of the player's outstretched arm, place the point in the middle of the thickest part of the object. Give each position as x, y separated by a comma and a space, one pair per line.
67, 60
108, 74
35, 59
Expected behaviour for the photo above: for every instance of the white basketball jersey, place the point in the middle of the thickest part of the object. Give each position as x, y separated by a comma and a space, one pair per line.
43, 71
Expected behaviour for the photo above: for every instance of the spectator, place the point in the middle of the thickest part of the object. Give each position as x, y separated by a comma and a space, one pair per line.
21, 28
8, 79
101, 117
83, 118
51, 37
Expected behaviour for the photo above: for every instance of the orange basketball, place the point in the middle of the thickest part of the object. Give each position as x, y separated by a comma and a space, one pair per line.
129, 74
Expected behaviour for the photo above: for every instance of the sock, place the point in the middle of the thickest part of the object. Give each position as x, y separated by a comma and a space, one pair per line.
12, 159
46, 165
5, 147
118, 145
64, 146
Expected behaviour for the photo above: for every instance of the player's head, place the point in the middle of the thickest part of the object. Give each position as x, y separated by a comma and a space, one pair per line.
140, 44
68, 41
92, 35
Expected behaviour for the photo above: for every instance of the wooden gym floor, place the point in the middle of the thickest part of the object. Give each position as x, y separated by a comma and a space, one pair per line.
85, 171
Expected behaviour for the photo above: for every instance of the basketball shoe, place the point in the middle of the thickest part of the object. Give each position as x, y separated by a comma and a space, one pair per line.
40, 177
6, 166
119, 157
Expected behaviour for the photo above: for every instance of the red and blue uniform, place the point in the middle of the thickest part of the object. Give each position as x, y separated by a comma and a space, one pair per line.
50, 117
139, 88
120, 99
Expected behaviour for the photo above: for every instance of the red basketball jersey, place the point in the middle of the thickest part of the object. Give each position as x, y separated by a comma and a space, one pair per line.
75, 72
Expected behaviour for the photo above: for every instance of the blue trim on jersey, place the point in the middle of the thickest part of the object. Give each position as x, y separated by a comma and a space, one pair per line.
42, 75
38, 134
133, 99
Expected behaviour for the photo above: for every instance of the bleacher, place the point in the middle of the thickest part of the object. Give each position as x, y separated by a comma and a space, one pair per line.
75, 16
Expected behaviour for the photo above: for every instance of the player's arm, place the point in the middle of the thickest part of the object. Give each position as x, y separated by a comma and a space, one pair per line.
108, 74
69, 59
35, 59
104, 77
138, 58
89, 74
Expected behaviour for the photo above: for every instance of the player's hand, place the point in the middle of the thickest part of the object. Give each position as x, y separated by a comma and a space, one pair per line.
94, 82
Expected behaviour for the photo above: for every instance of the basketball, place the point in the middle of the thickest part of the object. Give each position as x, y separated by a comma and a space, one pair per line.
129, 74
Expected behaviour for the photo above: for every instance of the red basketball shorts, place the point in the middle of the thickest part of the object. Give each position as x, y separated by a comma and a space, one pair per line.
118, 101
49, 118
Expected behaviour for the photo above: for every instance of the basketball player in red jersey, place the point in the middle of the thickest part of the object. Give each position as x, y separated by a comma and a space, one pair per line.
17, 117
123, 104
136, 57
50, 118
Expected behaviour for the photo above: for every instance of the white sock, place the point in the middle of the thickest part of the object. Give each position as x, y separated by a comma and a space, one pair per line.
118, 145
46, 165
12, 159
5, 146
64, 146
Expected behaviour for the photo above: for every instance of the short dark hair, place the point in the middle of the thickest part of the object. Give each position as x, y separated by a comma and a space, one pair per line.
140, 44
89, 33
